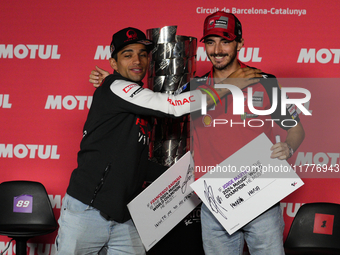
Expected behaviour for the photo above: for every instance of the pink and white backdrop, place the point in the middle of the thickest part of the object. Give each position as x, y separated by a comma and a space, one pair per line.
48, 48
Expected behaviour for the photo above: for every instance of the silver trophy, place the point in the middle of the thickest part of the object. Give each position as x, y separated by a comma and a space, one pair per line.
172, 65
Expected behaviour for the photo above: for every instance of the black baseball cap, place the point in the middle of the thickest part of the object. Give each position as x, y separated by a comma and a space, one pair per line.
128, 36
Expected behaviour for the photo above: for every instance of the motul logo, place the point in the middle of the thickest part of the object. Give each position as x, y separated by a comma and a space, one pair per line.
31, 51
321, 158
322, 56
102, 52
4, 101
32, 248
29, 151
68, 102
245, 54
290, 209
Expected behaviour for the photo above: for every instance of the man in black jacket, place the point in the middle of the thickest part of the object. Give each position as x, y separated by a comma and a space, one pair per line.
113, 157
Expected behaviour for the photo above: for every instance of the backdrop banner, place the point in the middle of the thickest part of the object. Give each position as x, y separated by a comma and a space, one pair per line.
48, 49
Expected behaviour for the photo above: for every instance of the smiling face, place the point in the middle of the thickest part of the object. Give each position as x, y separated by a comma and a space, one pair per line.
132, 62
221, 52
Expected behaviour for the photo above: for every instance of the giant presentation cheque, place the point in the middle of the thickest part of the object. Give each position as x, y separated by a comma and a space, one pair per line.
162, 205
246, 184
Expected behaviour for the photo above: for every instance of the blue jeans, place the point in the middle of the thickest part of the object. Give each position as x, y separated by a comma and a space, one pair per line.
83, 231
264, 234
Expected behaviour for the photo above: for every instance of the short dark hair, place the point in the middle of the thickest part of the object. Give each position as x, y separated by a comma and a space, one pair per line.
115, 56
238, 39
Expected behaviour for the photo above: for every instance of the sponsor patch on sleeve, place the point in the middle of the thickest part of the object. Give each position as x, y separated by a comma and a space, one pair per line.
129, 87
291, 110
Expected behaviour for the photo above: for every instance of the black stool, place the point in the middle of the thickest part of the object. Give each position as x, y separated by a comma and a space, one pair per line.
25, 212
315, 230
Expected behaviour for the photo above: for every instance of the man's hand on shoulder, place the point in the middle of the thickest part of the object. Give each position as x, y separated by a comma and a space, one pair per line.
243, 77
97, 76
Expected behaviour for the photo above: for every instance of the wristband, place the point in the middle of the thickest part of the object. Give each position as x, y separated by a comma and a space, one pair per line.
206, 91
291, 151
212, 88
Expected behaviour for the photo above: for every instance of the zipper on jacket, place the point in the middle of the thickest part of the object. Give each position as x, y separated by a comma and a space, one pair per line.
101, 183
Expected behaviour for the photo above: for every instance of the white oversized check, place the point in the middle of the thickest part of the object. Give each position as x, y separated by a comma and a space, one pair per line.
163, 204
246, 184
